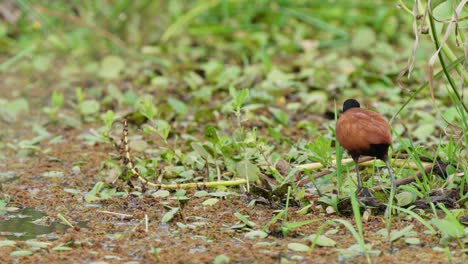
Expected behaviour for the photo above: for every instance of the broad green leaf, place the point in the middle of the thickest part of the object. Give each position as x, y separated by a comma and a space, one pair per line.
219, 194
396, 234
21, 253
211, 134
146, 107
363, 38
279, 115
7, 243
161, 193
210, 201
298, 247
405, 198
254, 234
198, 147
62, 248
424, 130
37, 244
240, 97
111, 66
201, 193
139, 145
162, 128
222, 259
57, 99
447, 227
248, 170
412, 241
9, 109
178, 106
108, 118
322, 240
89, 107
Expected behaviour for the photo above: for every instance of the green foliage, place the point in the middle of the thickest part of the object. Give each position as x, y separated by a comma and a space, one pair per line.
247, 170
147, 108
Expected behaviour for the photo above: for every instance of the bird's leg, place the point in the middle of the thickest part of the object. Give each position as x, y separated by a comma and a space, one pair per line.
356, 166
390, 172
392, 192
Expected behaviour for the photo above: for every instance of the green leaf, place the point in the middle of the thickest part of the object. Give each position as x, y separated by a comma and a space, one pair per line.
37, 244
201, 193
146, 108
9, 109
7, 243
61, 247
72, 191
405, 198
169, 215
162, 128
161, 193
138, 145
222, 259
211, 134
244, 219
294, 225
412, 241
108, 118
92, 196
210, 201
198, 148
320, 150
57, 99
97, 188
322, 240
448, 228
396, 234
298, 247
21, 253
89, 107
241, 97
111, 66
178, 106
248, 170
363, 39
238, 97
53, 174
423, 131
279, 115
254, 234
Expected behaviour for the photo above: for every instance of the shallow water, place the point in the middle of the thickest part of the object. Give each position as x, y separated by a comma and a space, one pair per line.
26, 224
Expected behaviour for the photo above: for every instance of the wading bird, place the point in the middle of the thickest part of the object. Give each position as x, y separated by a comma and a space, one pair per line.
364, 133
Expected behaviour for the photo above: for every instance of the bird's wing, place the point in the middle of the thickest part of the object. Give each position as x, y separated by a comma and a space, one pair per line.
357, 130
373, 127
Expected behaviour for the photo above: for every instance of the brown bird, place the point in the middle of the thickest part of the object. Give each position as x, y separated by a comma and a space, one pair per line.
366, 133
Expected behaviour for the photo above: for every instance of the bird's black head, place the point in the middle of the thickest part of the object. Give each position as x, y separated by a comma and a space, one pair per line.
350, 103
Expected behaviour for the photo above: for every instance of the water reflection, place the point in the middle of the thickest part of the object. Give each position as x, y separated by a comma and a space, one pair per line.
27, 224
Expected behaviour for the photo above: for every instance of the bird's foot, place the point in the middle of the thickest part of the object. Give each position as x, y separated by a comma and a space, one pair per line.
366, 198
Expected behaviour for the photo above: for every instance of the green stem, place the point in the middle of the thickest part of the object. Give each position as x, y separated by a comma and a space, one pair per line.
192, 185
444, 67
424, 85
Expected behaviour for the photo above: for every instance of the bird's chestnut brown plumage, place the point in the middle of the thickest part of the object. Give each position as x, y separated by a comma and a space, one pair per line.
364, 133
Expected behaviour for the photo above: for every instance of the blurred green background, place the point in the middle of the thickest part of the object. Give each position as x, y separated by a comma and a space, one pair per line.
310, 53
